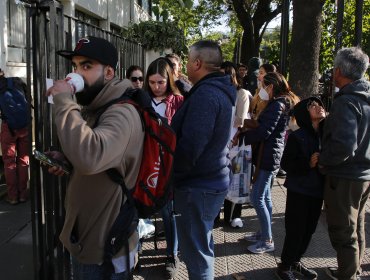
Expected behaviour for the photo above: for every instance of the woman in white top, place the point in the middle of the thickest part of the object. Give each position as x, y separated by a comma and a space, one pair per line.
232, 212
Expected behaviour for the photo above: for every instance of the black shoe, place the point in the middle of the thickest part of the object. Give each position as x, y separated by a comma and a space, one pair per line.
332, 272
171, 266
304, 271
285, 274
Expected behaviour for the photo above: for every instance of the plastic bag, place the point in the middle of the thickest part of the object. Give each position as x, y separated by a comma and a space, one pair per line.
145, 228
241, 167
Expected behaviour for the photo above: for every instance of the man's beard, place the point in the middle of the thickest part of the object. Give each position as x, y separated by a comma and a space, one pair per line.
89, 93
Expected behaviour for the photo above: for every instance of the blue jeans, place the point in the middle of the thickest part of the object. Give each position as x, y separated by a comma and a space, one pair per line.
198, 209
170, 230
261, 199
93, 272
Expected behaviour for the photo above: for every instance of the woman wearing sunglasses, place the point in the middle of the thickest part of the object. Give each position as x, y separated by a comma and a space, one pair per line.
135, 74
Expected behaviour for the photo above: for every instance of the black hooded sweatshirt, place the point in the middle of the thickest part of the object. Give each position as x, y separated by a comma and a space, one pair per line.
301, 144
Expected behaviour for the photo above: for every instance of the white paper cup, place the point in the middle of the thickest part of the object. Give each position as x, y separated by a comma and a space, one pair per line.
76, 81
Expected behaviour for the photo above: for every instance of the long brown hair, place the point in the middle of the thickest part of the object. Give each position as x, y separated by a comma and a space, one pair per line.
163, 67
280, 87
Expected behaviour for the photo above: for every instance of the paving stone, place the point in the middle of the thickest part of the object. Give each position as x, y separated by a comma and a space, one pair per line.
231, 248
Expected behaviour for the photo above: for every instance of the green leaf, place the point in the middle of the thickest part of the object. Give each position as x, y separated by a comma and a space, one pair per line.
188, 4
155, 10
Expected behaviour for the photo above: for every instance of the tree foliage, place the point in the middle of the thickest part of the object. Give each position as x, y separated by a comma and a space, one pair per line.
328, 41
158, 36
250, 19
254, 16
191, 18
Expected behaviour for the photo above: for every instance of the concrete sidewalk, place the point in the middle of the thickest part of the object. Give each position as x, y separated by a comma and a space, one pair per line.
16, 253
232, 256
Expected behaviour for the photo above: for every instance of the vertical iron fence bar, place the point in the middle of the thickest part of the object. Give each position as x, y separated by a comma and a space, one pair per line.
51, 260
338, 36
339, 25
34, 174
284, 36
358, 23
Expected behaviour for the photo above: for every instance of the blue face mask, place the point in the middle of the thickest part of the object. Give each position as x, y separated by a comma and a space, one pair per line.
263, 94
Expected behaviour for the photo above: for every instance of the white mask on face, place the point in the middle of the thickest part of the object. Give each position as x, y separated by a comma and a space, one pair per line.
263, 94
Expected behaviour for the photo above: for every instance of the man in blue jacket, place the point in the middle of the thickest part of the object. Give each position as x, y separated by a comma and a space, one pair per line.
345, 158
201, 168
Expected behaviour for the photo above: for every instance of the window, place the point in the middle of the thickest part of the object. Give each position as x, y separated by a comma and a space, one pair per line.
146, 5
86, 25
115, 29
16, 25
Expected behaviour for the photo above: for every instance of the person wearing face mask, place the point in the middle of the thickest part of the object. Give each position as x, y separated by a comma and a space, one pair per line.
135, 74
261, 98
166, 100
92, 146
269, 134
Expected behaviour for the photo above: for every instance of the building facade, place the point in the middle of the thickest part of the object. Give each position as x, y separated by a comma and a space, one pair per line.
112, 16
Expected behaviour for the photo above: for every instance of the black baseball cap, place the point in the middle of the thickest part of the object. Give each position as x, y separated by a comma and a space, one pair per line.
96, 48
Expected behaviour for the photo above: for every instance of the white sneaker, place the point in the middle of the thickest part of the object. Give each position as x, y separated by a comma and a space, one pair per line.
237, 223
262, 247
253, 236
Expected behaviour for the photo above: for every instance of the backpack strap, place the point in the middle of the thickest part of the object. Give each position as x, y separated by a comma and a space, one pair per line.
126, 222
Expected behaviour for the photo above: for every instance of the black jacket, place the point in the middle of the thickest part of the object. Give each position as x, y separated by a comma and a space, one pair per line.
273, 122
301, 144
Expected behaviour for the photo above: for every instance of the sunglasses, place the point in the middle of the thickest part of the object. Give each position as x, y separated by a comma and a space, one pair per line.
135, 79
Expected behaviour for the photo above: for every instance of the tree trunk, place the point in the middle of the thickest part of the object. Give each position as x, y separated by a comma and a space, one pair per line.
248, 47
305, 47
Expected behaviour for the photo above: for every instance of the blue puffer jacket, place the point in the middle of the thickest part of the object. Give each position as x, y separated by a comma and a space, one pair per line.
346, 140
273, 122
202, 126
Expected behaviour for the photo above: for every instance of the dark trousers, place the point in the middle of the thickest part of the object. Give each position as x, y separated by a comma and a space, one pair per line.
302, 213
236, 213
345, 202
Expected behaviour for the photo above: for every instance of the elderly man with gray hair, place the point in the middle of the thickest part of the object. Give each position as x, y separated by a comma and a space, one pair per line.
345, 158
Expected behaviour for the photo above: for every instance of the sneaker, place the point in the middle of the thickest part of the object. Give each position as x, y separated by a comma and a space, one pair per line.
253, 237
11, 201
302, 270
285, 274
237, 223
171, 266
332, 272
262, 247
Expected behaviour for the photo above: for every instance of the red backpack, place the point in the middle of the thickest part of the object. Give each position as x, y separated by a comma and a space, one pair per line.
152, 189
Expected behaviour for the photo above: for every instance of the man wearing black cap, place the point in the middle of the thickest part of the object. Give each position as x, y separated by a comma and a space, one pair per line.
93, 201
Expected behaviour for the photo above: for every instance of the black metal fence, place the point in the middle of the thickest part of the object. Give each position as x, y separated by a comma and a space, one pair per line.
49, 30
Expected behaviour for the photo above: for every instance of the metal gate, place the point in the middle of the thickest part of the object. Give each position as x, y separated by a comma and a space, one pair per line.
48, 30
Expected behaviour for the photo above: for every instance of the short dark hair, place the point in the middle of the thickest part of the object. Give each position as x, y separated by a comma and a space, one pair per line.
268, 67
240, 65
209, 52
